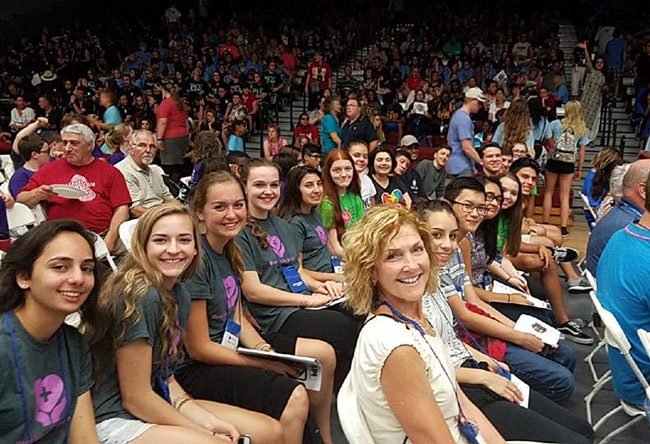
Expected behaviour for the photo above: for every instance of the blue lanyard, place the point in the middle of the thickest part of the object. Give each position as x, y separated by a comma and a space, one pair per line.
19, 373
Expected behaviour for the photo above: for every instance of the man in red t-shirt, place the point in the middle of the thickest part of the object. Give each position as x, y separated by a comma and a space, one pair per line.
319, 78
101, 198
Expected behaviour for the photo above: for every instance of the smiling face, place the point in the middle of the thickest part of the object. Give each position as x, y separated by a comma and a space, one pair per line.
491, 161
402, 269
493, 199
403, 165
510, 192
519, 150
528, 178
342, 172
383, 164
224, 212
470, 209
359, 154
171, 246
444, 231
441, 157
311, 190
62, 276
263, 189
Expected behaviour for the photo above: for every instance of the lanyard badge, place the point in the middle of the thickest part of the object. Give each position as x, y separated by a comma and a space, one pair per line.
230, 338
293, 279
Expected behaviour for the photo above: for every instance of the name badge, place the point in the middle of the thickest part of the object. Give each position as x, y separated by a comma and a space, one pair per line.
231, 335
293, 279
471, 432
336, 264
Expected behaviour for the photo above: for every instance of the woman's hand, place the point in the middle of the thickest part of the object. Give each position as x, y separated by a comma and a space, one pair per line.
518, 298
518, 283
495, 365
545, 256
332, 288
578, 174
317, 300
281, 368
502, 387
530, 342
209, 422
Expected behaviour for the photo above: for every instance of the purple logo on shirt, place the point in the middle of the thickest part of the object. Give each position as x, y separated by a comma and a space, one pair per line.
322, 235
50, 399
232, 291
276, 245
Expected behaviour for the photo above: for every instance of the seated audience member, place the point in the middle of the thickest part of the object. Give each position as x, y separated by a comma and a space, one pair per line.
434, 172
303, 195
615, 191
390, 189
491, 159
216, 371
402, 375
481, 377
359, 151
407, 174
627, 211
624, 289
506, 159
103, 199
117, 142
311, 155
274, 143
48, 273
207, 156
34, 151
274, 282
596, 183
136, 343
146, 185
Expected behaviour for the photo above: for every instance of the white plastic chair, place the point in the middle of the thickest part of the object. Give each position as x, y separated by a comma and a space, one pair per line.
602, 380
101, 251
586, 205
126, 232
645, 339
353, 423
9, 170
616, 338
19, 218
186, 180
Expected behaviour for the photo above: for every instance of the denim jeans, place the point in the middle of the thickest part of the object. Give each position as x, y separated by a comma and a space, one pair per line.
551, 376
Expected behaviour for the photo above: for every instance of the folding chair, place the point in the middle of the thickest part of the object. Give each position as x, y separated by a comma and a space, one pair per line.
353, 423
20, 217
126, 232
101, 251
602, 380
4, 188
616, 338
590, 214
186, 180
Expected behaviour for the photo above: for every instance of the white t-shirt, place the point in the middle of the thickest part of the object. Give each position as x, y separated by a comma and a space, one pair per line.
377, 340
173, 15
494, 110
368, 191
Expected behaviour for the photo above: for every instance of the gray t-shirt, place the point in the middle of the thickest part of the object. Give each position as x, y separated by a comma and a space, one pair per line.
107, 398
311, 239
433, 179
53, 374
267, 263
217, 284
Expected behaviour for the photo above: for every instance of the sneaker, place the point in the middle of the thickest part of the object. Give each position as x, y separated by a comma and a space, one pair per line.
579, 285
564, 254
572, 332
565, 232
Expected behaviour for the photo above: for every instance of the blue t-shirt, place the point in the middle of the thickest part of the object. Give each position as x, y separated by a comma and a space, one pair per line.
614, 52
586, 188
116, 157
328, 125
556, 131
542, 131
461, 128
618, 217
235, 143
624, 289
18, 180
530, 140
112, 116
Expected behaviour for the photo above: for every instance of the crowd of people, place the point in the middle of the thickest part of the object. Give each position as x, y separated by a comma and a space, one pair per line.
402, 270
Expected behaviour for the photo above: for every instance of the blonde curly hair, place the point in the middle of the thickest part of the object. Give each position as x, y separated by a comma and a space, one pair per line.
364, 244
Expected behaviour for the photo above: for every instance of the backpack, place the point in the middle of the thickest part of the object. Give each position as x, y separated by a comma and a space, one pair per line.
565, 148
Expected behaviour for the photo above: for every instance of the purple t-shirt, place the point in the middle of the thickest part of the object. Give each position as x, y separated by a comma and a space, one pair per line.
18, 180
461, 128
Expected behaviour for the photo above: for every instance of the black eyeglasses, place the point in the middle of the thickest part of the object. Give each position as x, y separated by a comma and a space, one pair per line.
489, 197
467, 208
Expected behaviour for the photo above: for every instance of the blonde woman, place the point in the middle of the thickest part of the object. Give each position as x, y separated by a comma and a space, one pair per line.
116, 142
401, 374
569, 140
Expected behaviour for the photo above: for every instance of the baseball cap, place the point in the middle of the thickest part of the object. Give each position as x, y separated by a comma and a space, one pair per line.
475, 93
409, 140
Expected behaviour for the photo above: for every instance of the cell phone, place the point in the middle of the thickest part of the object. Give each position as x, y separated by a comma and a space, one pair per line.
244, 439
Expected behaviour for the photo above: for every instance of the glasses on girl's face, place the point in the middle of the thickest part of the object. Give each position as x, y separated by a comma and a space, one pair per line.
489, 197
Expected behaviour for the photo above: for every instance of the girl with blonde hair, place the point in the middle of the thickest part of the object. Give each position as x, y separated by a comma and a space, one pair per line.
116, 142
568, 136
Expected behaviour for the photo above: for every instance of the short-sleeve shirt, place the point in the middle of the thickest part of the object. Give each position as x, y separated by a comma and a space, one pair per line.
378, 338
368, 191
360, 129
267, 263
235, 143
328, 125
112, 116
461, 128
453, 277
146, 187
104, 190
53, 374
18, 180
311, 239
393, 193
555, 128
216, 283
176, 119
351, 210
107, 398
499, 133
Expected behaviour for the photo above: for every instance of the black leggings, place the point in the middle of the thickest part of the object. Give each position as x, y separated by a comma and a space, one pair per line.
543, 420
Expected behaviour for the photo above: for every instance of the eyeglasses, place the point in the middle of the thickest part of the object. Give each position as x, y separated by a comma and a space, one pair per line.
481, 210
489, 197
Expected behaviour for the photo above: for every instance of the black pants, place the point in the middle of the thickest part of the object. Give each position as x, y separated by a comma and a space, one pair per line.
543, 420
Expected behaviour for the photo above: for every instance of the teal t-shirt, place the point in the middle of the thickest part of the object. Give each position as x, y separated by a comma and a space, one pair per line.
311, 239
328, 125
267, 263
53, 374
107, 397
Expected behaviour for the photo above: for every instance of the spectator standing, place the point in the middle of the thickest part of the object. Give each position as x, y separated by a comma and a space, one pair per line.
461, 133
330, 130
592, 93
357, 126
172, 131
319, 78
615, 56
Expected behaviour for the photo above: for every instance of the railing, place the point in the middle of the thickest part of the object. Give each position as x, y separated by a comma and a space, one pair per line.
608, 127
